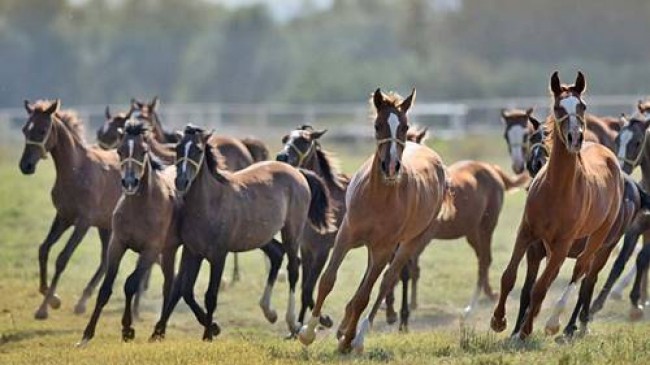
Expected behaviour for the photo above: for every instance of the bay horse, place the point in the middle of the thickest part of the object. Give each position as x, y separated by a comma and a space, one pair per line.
577, 194
238, 153
145, 220
85, 191
391, 203
233, 212
477, 190
302, 149
635, 200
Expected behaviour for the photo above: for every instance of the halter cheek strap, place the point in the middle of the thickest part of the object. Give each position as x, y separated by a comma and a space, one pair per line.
196, 165
41, 144
558, 123
142, 165
539, 145
302, 156
635, 162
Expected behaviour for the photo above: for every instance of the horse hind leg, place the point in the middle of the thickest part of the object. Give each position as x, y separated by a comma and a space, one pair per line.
642, 263
212, 293
534, 257
275, 253
104, 237
61, 263
405, 310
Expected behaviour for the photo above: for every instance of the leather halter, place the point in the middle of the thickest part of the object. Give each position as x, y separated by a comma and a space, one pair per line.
41, 144
635, 162
302, 156
391, 139
108, 146
197, 166
558, 123
142, 165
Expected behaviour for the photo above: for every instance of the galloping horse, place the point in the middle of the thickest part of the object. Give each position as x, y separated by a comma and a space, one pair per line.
302, 149
478, 190
392, 203
225, 212
577, 194
145, 220
85, 191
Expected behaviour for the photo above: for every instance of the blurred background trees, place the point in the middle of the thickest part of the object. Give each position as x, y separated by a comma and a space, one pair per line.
105, 51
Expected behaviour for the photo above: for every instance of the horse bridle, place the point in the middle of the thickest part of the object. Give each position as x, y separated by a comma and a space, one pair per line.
559, 121
302, 156
391, 139
142, 165
197, 166
107, 146
41, 144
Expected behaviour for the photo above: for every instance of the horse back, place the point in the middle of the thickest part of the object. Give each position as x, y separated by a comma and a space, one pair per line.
234, 152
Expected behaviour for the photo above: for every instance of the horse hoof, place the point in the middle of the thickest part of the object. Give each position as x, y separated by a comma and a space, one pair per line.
54, 302
391, 317
128, 334
80, 308
271, 315
403, 328
215, 329
498, 325
563, 339
81, 344
344, 346
551, 329
157, 337
326, 321
636, 313
41, 314
305, 336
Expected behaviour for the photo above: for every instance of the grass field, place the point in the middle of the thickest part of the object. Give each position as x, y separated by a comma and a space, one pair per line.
448, 278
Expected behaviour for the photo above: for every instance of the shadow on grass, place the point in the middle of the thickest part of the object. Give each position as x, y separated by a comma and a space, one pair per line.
472, 342
18, 336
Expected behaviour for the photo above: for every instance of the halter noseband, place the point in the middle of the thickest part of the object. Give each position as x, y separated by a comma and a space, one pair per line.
41, 144
302, 156
142, 165
391, 139
635, 162
559, 121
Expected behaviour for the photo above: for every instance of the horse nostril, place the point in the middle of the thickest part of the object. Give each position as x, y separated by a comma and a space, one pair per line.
581, 138
570, 138
397, 166
123, 182
136, 181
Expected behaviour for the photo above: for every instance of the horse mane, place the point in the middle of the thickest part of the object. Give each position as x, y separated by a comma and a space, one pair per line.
69, 118
136, 128
329, 166
391, 98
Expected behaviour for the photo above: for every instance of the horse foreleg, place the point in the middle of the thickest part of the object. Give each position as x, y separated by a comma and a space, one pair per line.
235, 268
104, 237
498, 322
131, 286
275, 252
344, 242
642, 261
405, 310
115, 253
58, 227
61, 262
212, 293
534, 257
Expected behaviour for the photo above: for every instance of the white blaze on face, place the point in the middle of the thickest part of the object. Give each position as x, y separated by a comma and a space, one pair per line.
393, 123
516, 135
130, 148
292, 137
570, 105
624, 138
187, 151
30, 126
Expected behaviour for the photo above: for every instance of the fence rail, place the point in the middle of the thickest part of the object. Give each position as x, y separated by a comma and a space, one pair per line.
345, 121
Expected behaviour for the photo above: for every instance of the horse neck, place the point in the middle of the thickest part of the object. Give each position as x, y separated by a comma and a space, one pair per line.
377, 181
205, 187
68, 154
562, 164
161, 150
313, 163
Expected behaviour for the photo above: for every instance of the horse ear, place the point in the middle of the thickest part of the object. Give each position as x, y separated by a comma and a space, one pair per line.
534, 122
107, 112
154, 103
503, 113
556, 87
623, 118
421, 135
54, 107
179, 135
378, 99
285, 138
639, 105
317, 134
529, 111
135, 104
129, 113
581, 84
29, 107
408, 102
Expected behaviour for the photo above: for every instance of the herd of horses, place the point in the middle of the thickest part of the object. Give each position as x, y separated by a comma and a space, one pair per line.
151, 191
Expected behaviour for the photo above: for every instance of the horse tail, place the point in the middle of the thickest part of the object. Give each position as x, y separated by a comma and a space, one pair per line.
320, 214
644, 198
511, 182
448, 209
257, 149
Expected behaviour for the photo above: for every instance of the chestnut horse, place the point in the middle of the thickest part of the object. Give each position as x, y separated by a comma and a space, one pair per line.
85, 191
302, 149
392, 203
225, 212
577, 194
144, 220
478, 190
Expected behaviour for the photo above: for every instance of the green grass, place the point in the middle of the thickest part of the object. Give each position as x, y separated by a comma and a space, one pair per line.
448, 277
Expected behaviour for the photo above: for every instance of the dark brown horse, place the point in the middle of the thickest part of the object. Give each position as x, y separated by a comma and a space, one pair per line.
478, 190
392, 204
145, 220
234, 212
302, 149
85, 191
577, 194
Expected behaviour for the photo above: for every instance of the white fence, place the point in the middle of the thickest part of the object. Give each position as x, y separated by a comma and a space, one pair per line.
347, 122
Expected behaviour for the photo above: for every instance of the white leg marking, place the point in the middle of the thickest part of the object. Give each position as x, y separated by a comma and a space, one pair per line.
624, 282
362, 331
472, 304
554, 320
291, 312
